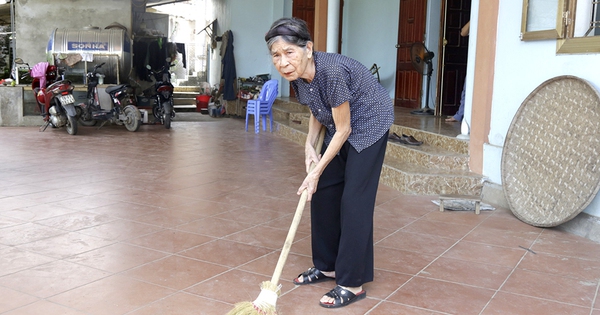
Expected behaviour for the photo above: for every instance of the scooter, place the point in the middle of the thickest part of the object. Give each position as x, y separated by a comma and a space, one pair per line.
121, 113
54, 96
163, 95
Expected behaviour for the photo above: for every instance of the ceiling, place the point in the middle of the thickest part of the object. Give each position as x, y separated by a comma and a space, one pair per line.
5, 8
154, 3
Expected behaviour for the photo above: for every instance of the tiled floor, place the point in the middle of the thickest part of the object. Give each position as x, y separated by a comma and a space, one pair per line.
191, 221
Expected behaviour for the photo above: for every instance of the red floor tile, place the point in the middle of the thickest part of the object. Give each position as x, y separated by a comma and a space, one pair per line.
197, 227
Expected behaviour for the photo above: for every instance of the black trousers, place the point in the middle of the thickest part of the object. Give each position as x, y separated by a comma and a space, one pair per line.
342, 214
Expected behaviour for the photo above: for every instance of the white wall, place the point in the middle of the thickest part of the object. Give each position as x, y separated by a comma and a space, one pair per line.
249, 33
370, 34
249, 21
520, 68
36, 19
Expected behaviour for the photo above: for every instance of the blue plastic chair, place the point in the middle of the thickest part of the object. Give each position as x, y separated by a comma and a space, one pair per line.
263, 105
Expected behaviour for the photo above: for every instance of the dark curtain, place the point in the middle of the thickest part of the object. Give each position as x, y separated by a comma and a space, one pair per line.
229, 72
149, 51
140, 50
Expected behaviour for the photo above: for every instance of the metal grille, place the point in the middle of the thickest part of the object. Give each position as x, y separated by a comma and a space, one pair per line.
595, 20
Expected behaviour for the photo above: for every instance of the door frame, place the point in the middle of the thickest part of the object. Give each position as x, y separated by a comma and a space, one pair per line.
440, 84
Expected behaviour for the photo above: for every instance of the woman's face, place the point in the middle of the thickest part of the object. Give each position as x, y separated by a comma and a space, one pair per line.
291, 60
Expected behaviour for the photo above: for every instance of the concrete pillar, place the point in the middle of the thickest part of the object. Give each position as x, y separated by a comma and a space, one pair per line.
333, 25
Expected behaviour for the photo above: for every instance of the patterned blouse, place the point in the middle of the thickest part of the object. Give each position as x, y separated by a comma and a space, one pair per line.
339, 79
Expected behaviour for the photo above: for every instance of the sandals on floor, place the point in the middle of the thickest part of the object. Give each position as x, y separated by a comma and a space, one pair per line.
312, 275
342, 297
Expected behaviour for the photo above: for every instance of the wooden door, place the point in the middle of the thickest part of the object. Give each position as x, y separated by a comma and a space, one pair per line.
305, 10
411, 29
454, 55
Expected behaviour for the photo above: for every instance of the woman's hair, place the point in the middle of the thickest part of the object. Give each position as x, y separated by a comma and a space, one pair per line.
292, 30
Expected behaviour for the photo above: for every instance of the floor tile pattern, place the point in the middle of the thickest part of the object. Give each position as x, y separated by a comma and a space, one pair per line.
191, 220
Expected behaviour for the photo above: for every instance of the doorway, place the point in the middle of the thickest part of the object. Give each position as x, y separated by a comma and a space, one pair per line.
451, 54
454, 50
411, 29
305, 10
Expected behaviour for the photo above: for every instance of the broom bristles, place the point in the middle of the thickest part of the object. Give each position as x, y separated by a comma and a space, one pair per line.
264, 303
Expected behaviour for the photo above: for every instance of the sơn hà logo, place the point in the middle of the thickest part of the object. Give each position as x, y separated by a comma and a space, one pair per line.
87, 45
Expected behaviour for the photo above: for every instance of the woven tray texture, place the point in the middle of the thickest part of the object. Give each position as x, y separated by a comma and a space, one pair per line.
550, 169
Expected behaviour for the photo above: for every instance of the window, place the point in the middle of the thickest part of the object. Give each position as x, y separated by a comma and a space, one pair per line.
542, 19
594, 28
582, 28
575, 24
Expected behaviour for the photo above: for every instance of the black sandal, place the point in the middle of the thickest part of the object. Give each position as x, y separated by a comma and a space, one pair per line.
312, 275
342, 297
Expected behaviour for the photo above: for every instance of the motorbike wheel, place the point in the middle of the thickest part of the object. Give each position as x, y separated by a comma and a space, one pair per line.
167, 120
82, 121
87, 123
134, 118
72, 125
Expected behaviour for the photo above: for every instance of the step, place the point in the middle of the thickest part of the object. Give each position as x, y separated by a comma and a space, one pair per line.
187, 88
184, 94
290, 106
439, 166
451, 144
427, 155
185, 108
190, 80
413, 179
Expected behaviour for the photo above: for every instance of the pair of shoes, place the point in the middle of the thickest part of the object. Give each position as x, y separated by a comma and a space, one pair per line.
342, 297
411, 140
404, 139
451, 119
312, 275
395, 137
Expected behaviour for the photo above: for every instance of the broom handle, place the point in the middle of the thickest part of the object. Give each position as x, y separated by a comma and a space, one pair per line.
296, 221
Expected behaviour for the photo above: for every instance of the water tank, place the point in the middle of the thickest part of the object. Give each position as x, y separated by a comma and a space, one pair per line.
79, 50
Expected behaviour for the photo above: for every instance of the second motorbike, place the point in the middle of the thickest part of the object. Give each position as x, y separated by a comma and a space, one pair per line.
121, 113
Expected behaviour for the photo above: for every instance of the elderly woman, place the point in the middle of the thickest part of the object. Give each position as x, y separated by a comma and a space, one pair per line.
357, 112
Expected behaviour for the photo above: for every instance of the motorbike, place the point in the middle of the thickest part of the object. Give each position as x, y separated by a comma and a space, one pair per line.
162, 108
54, 96
123, 112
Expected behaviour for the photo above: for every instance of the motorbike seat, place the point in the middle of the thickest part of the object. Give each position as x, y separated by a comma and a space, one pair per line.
115, 88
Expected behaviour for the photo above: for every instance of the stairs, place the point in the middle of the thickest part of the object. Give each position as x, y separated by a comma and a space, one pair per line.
184, 98
439, 166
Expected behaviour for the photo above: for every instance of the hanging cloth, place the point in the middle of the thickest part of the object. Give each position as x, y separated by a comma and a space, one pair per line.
39, 71
228, 71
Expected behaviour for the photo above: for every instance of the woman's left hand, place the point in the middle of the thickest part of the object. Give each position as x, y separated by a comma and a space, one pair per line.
310, 184
341, 118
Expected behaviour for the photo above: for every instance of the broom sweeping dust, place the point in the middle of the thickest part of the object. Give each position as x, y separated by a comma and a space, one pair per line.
269, 290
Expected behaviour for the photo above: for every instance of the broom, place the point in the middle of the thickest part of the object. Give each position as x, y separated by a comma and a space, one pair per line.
269, 290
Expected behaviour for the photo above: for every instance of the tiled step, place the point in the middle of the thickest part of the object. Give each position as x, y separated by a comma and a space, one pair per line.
188, 88
410, 178
439, 166
184, 98
290, 111
427, 155
189, 81
451, 144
